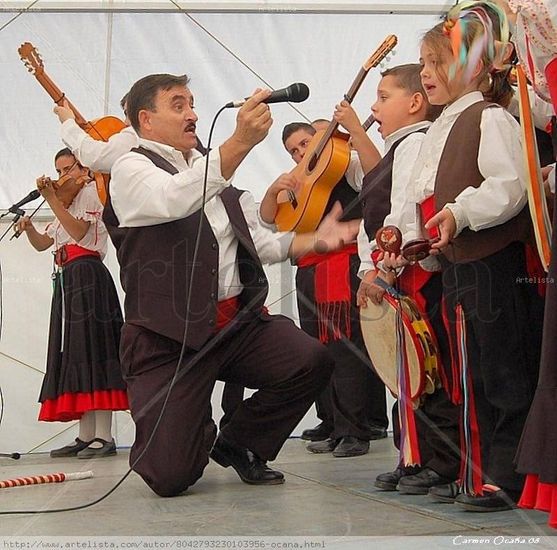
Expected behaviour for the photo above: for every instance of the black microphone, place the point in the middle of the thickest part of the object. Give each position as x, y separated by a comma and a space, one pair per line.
295, 93
30, 197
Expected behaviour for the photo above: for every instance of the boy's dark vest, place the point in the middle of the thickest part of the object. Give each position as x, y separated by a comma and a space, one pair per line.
375, 196
156, 263
348, 199
458, 169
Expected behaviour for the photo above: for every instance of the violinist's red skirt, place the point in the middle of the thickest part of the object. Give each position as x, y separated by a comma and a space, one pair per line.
83, 370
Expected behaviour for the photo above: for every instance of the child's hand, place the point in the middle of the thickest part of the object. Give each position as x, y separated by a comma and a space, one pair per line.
347, 117
366, 289
372, 291
285, 182
447, 227
393, 262
546, 171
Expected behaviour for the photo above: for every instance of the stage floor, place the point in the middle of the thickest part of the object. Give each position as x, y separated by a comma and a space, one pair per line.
322, 496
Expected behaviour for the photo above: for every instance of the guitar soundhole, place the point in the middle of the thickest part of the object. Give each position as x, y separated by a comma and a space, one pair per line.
292, 199
312, 163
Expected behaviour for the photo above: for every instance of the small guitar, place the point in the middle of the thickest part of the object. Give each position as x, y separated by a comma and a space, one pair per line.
100, 129
324, 163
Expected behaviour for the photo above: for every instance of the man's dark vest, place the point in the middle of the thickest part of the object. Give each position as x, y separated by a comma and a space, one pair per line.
375, 196
156, 263
456, 172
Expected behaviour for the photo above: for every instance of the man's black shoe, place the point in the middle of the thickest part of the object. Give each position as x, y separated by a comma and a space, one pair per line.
389, 480
445, 493
248, 465
326, 446
319, 433
351, 446
419, 484
377, 432
490, 501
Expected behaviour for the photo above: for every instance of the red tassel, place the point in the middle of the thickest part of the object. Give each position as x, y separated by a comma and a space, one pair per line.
471, 465
452, 387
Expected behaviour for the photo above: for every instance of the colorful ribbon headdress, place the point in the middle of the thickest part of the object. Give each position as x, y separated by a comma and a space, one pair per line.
466, 55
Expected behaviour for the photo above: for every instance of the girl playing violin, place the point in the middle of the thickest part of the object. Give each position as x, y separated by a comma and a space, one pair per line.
82, 379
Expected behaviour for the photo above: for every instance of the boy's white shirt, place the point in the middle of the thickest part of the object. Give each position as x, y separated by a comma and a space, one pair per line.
403, 210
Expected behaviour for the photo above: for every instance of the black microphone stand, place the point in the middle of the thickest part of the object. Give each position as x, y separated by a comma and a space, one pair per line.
18, 213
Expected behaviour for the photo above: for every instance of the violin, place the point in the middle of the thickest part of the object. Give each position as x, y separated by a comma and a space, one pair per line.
66, 188
100, 129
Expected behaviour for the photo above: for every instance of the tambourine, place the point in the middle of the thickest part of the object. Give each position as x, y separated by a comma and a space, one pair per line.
378, 324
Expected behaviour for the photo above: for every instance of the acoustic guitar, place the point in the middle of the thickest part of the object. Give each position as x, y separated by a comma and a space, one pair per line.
324, 163
100, 129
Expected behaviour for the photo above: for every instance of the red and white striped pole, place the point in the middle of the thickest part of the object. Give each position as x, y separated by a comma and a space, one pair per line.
48, 478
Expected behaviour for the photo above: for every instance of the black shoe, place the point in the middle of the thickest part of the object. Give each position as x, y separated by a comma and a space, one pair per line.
351, 446
248, 465
377, 432
389, 480
490, 501
445, 493
70, 450
319, 433
326, 446
419, 484
108, 449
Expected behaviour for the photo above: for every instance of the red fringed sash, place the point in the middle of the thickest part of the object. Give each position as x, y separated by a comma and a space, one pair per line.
332, 291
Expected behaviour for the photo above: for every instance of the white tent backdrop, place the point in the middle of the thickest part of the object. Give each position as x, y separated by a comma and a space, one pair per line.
95, 56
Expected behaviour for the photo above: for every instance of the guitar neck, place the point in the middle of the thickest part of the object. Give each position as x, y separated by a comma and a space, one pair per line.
368, 123
356, 85
58, 96
349, 96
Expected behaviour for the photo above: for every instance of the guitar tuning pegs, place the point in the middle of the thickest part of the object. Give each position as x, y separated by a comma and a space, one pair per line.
387, 59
